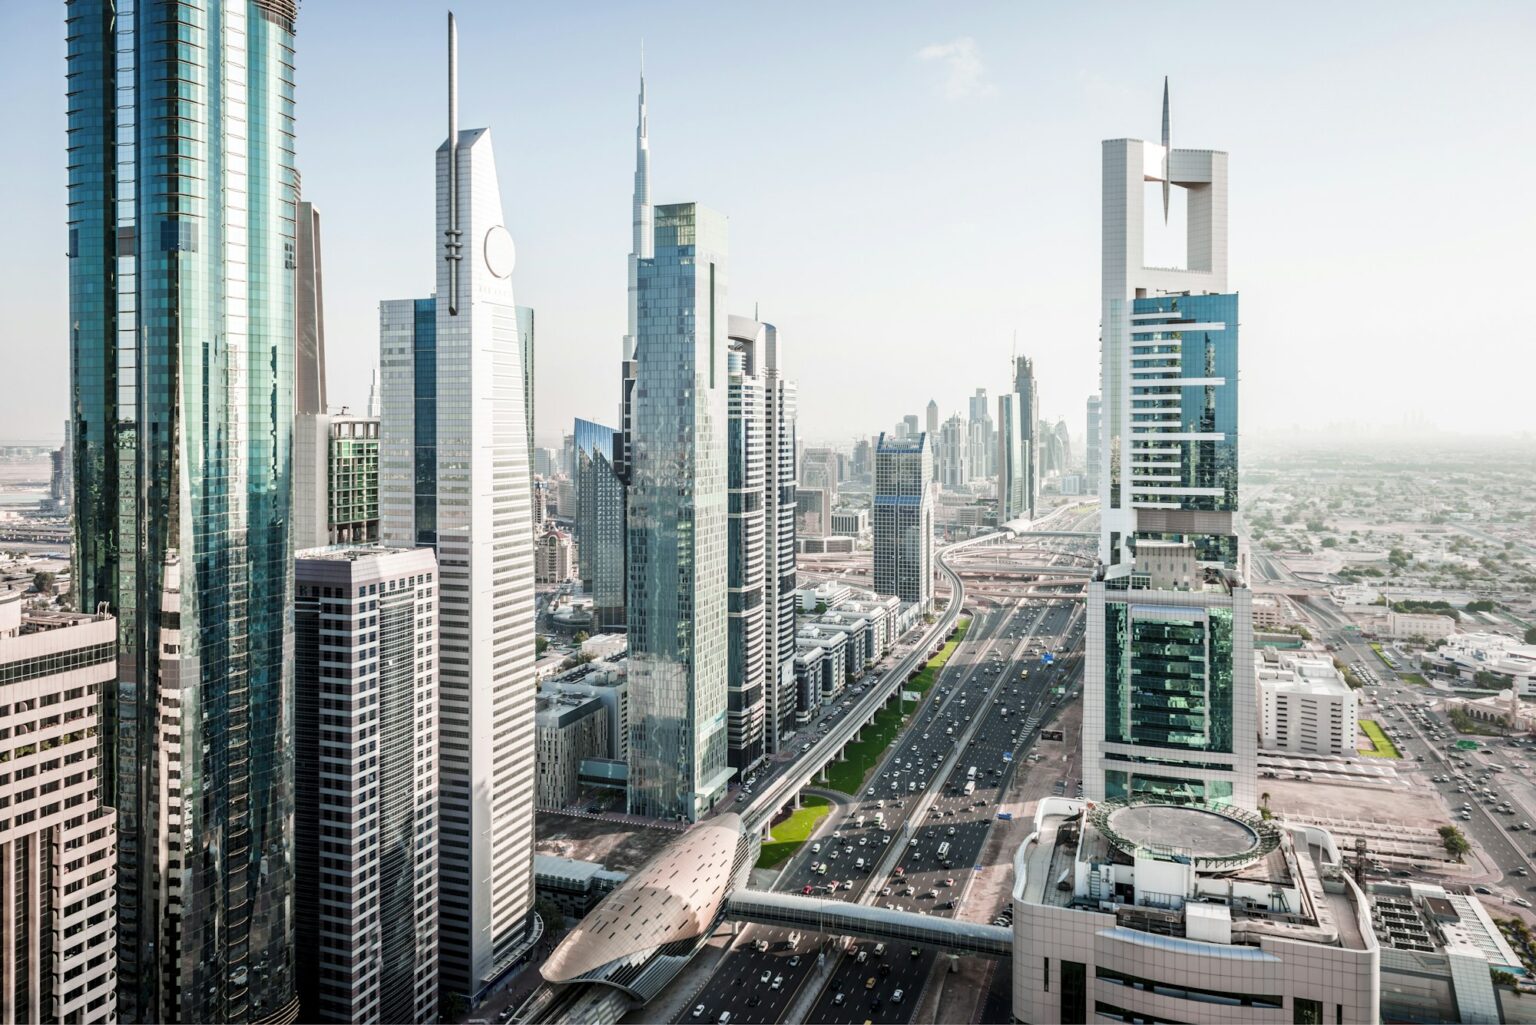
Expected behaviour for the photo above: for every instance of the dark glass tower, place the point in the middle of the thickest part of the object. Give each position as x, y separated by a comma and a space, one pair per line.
182, 255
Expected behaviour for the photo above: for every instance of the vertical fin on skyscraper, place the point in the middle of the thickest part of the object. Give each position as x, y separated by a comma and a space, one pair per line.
1166, 184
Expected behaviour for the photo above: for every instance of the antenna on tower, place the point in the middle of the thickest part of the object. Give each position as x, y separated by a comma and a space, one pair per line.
452, 244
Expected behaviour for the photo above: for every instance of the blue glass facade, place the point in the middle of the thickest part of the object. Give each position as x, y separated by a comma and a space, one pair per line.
182, 255
600, 522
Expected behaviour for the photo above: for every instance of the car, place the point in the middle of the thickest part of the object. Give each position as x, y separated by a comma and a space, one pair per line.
916, 952
754, 1000
778, 982
869, 983
897, 996
724, 1019
1521, 901
839, 998
1482, 890
794, 962
698, 1011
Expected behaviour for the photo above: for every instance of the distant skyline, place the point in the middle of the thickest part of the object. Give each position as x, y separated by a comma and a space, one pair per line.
907, 186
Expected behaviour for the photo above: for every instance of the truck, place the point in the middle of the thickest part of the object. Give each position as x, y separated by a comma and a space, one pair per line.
944, 849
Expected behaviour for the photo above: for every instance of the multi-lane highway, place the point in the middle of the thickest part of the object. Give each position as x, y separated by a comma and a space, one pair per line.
958, 726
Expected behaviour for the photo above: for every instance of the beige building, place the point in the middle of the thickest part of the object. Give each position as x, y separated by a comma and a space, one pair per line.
1178, 913
568, 730
555, 557
1304, 704
1404, 625
58, 844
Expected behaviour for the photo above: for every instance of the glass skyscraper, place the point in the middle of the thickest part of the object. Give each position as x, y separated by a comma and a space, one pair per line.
677, 521
600, 522
1012, 461
903, 519
182, 257
1170, 708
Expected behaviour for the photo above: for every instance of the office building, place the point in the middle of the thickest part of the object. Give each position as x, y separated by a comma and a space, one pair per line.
600, 522
1304, 704
1095, 453
1025, 388
555, 556
570, 729
454, 477
746, 705
335, 480
57, 841
366, 728
182, 328
931, 424
863, 461
1152, 911
903, 520
678, 533
1170, 703
982, 438
308, 315
1012, 462
762, 354
954, 453
850, 522
813, 512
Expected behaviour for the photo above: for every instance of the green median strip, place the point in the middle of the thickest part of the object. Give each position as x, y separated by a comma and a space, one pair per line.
1381, 744
789, 835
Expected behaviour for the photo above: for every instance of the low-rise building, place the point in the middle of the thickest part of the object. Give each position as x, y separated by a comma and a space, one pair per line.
1304, 704
828, 593
1270, 612
850, 522
1492, 661
1403, 626
1149, 911
832, 544
828, 673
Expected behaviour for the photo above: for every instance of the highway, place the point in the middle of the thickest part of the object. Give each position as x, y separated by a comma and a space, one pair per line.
987, 672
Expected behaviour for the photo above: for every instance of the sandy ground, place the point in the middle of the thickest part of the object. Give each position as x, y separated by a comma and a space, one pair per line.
617, 846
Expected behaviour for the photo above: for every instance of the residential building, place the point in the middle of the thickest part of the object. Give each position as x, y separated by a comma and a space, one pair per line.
555, 557
981, 436
1095, 454
58, 841
954, 453
1154, 911
746, 704
1304, 704
1169, 695
1026, 388
454, 477
570, 729
335, 480
903, 520
677, 528
182, 328
1012, 461
365, 738
780, 502
600, 537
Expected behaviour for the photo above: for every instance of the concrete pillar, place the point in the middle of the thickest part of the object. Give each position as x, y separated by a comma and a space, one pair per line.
858, 735
767, 833
822, 776
797, 800
842, 753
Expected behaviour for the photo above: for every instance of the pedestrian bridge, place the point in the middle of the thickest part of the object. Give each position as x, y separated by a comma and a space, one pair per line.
844, 918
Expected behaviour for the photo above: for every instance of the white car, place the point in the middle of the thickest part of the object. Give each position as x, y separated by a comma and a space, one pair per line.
698, 1011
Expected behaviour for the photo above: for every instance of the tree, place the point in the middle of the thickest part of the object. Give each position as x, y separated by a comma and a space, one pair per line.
42, 582
581, 637
1330, 542
1501, 977
540, 642
1482, 605
1454, 842
1530, 635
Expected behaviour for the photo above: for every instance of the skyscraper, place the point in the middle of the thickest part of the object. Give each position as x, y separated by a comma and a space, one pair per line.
1170, 704
982, 438
182, 251
309, 315
954, 453
746, 706
1029, 418
366, 725
600, 522
1095, 454
1012, 461
642, 241
931, 424
454, 477
903, 519
759, 344
677, 521
335, 479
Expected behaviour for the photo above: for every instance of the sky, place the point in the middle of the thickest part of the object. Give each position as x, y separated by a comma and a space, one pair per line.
910, 186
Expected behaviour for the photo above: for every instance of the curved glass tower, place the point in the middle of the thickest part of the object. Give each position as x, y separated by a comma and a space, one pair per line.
181, 267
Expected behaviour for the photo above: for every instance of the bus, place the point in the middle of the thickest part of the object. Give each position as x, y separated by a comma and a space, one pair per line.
971, 773
970, 788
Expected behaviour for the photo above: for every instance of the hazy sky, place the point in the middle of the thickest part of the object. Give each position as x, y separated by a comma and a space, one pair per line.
907, 186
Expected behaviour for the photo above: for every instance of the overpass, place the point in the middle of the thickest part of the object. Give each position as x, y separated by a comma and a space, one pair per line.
1007, 567
845, 918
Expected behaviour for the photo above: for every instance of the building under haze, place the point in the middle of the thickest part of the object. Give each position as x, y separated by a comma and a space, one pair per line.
1170, 706
953, 454
1029, 419
366, 726
903, 519
1012, 461
981, 438
182, 250
1095, 453
454, 478
678, 531
600, 536
931, 424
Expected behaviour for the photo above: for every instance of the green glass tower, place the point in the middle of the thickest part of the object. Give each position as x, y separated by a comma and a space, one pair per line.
182, 257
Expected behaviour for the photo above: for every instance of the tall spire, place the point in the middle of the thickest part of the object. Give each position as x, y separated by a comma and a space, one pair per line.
642, 241
1166, 151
